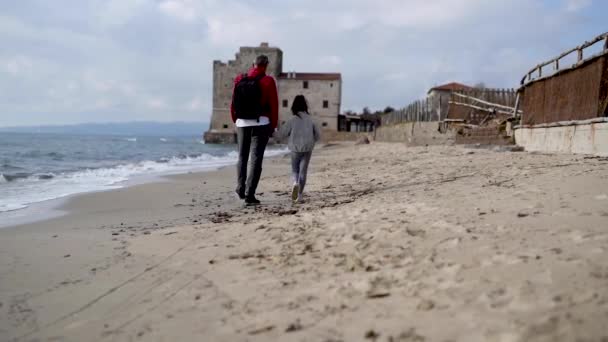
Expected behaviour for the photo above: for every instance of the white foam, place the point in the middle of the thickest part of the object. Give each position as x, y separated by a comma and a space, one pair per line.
163, 139
131, 139
2, 179
19, 194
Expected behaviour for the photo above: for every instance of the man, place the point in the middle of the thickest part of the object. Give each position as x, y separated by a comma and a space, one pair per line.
255, 111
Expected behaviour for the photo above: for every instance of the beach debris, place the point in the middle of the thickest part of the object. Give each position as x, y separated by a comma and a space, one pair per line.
261, 330
170, 233
415, 232
362, 141
379, 288
426, 305
220, 217
372, 335
294, 326
287, 212
67, 256
55, 236
197, 297
407, 336
260, 227
247, 255
522, 214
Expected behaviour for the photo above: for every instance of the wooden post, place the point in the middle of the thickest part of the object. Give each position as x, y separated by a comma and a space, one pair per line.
439, 109
515, 110
580, 54
556, 66
606, 43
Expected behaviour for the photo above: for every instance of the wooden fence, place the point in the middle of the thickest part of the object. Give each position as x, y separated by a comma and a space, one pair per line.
538, 69
474, 105
419, 110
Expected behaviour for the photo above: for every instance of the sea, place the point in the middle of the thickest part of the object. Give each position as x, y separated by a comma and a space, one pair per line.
41, 167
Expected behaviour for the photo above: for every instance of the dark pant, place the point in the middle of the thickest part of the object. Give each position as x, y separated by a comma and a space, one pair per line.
252, 143
299, 168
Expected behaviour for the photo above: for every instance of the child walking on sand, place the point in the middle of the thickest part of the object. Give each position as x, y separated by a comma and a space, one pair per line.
303, 133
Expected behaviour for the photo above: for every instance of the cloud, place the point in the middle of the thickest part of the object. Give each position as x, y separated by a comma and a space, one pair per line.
156, 103
124, 60
181, 9
577, 5
195, 105
331, 60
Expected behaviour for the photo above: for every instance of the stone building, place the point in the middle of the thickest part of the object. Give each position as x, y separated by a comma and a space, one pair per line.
439, 96
322, 90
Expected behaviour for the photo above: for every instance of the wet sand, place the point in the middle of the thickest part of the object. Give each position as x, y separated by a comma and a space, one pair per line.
394, 243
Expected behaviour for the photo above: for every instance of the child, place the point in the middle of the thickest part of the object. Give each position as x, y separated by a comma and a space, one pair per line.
303, 134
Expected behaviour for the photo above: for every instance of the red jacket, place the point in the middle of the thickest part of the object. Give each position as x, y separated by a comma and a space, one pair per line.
269, 96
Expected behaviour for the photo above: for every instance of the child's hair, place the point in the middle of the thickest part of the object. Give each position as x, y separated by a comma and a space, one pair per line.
299, 105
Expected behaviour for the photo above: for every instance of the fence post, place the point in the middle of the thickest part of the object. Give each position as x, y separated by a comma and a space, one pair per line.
580, 54
515, 111
606, 43
439, 109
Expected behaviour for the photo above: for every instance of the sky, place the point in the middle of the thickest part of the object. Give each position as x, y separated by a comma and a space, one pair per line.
75, 61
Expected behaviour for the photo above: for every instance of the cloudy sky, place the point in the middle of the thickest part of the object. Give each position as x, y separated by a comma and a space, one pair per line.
72, 61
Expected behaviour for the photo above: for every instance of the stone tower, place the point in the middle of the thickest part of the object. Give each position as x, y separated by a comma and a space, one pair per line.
322, 90
221, 129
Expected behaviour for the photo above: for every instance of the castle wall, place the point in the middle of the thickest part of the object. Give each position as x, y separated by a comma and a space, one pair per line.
328, 88
317, 92
223, 80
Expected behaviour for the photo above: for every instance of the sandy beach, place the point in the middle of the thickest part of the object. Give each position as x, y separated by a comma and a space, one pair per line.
394, 243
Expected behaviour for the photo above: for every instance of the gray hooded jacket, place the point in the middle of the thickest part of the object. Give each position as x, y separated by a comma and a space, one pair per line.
303, 133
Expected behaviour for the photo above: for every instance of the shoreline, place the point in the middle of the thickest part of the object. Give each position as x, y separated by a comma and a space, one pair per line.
58, 207
392, 242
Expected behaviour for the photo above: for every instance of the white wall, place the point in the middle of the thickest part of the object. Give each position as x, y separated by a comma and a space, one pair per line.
589, 138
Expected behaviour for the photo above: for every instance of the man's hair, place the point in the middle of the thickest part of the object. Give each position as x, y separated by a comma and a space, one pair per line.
261, 60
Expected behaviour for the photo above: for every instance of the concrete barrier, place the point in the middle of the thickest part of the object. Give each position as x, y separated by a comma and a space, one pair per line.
415, 133
586, 137
328, 135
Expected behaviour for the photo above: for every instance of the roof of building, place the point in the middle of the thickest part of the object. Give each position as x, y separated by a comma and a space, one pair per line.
452, 86
311, 76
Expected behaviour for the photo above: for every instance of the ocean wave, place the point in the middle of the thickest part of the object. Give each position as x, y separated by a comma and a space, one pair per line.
163, 139
7, 166
32, 188
131, 139
15, 176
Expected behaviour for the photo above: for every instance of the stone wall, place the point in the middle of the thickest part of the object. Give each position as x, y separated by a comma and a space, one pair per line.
223, 80
329, 135
584, 138
216, 137
414, 133
327, 88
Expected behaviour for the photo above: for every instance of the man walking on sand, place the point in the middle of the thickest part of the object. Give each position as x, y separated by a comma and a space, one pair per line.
255, 112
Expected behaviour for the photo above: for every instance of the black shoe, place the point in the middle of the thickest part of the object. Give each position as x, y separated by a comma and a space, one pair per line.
240, 195
251, 201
